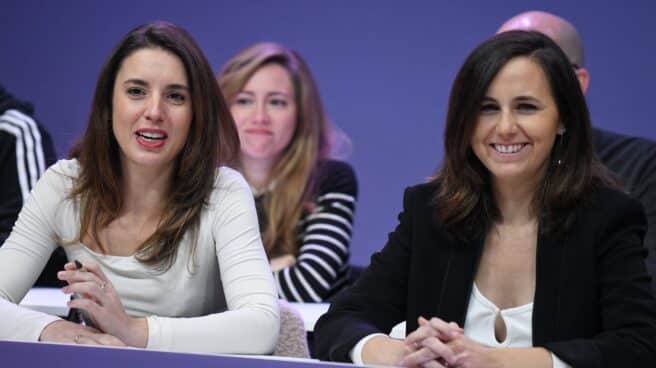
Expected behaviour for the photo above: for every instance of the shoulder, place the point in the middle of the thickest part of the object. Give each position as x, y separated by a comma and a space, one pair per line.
21, 124
229, 183
229, 179
18, 124
330, 167
336, 176
632, 158
607, 209
608, 199
63, 170
420, 195
605, 139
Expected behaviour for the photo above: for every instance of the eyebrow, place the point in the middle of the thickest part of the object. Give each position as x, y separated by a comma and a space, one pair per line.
518, 98
274, 93
141, 82
526, 98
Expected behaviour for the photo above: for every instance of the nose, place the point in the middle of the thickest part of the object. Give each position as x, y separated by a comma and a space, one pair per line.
261, 114
507, 124
154, 111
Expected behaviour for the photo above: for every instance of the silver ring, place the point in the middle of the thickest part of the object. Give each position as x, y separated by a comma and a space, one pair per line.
102, 286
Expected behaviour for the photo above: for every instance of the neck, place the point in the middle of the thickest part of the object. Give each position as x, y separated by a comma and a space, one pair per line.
514, 199
145, 190
256, 172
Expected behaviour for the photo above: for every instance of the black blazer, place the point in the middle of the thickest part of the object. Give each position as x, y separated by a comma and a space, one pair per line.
593, 305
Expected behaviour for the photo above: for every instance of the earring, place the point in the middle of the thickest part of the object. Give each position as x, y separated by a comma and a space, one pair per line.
557, 149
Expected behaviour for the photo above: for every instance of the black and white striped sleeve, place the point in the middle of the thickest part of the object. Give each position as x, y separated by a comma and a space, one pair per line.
321, 267
29, 154
26, 151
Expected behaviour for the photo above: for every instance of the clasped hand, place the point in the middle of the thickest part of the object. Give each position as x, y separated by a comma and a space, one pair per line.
438, 344
102, 305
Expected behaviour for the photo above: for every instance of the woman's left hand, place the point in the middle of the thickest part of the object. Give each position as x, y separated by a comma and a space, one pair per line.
278, 263
102, 304
470, 354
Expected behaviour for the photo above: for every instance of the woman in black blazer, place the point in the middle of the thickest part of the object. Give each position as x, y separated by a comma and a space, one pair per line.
521, 251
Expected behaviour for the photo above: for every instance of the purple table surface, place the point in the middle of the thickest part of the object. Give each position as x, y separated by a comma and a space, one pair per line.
30, 354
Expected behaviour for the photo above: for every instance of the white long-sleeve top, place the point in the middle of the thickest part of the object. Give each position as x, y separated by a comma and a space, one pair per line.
223, 300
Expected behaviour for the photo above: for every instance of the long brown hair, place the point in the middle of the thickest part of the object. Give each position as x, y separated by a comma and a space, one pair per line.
295, 172
464, 201
212, 139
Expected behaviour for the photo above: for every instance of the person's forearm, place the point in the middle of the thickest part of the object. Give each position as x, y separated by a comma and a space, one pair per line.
522, 357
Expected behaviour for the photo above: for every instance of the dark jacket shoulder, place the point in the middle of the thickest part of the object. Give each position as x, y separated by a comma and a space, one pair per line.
336, 176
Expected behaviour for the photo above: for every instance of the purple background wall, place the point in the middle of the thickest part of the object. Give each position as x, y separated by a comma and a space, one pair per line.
384, 68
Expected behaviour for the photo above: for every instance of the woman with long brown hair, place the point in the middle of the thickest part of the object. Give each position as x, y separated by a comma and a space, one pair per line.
164, 249
305, 199
521, 252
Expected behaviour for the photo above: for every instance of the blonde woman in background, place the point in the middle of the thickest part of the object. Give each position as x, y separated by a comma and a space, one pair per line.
305, 199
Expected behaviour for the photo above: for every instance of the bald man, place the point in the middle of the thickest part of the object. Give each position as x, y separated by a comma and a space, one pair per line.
632, 159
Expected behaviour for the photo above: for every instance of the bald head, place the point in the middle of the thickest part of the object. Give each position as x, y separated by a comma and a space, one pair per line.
558, 29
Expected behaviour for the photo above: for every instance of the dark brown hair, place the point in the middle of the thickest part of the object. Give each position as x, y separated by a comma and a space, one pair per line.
465, 203
212, 139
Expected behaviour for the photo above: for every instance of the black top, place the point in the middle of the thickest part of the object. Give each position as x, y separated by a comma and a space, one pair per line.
324, 237
633, 160
26, 151
593, 306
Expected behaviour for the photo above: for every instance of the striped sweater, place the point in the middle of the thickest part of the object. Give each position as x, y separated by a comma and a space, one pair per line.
324, 236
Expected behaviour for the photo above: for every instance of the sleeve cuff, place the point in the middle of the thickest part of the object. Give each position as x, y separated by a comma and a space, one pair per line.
160, 336
557, 363
356, 353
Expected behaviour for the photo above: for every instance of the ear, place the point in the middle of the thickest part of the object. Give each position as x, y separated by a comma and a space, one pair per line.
583, 77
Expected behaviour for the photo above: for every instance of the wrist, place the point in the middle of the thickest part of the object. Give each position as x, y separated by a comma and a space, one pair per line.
494, 357
384, 350
136, 333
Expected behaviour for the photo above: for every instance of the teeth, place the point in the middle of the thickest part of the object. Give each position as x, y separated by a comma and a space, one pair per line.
155, 136
508, 148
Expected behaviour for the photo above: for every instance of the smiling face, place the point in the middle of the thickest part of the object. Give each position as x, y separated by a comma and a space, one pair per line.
265, 114
152, 111
517, 123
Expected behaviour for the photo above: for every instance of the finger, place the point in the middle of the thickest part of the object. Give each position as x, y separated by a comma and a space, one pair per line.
107, 339
94, 268
72, 276
90, 287
87, 289
433, 364
420, 333
445, 330
83, 339
419, 357
70, 266
440, 349
456, 327
92, 308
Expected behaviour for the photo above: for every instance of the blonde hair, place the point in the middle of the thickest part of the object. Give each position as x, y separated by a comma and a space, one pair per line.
295, 172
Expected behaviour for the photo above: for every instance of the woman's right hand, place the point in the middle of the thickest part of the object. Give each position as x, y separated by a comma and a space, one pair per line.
72, 333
